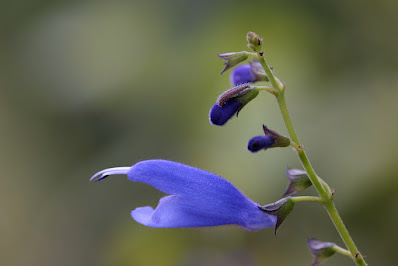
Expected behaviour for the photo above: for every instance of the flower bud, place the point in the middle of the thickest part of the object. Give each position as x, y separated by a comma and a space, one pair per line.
230, 103
320, 250
298, 181
241, 75
270, 140
254, 41
281, 209
232, 59
248, 74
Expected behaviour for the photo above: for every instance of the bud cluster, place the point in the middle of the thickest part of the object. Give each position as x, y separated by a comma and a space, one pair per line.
254, 42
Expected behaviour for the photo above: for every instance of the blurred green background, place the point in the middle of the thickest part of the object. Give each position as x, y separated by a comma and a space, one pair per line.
86, 85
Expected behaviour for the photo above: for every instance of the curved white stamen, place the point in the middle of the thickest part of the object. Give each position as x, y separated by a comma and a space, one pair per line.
109, 171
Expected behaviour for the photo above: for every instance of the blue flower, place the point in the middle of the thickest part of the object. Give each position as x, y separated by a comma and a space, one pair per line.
197, 198
242, 74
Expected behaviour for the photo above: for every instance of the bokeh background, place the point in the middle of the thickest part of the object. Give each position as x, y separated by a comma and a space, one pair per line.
86, 85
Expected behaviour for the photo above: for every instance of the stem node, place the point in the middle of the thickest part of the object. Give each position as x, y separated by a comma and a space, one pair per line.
300, 149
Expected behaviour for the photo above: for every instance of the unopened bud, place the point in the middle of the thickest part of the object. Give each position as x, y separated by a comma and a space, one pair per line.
254, 41
232, 59
321, 250
298, 181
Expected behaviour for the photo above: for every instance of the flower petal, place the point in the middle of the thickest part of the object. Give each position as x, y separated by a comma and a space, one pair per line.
180, 179
199, 198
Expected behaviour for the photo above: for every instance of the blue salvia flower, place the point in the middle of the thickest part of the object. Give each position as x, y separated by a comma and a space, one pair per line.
197, 198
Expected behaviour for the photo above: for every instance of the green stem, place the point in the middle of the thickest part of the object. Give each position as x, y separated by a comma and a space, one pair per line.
265, 88
311, 174
344, 234
286, 117
322, 189
275, 83
307, 198
342, 251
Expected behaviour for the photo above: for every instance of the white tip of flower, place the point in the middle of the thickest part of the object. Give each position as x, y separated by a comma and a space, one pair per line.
110, 171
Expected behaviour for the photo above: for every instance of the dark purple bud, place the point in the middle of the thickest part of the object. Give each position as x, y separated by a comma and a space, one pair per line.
219, 115
241, 75
271, 139
320, 250
298, 181
260, 142
281, 209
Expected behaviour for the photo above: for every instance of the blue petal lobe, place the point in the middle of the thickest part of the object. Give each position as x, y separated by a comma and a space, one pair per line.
143, 215
199, 198
219, 115
242, 74
178, 211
